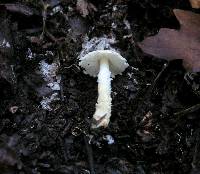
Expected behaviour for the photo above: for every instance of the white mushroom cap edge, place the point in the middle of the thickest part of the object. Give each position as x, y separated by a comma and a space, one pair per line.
90, 62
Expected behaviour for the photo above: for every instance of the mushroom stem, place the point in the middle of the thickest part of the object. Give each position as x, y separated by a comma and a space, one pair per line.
102, 114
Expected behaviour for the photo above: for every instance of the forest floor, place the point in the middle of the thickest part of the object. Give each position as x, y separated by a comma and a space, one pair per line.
47, 102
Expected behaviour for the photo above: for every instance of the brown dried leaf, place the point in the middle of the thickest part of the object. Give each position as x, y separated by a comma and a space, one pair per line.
173, 44
195, 3
85, 7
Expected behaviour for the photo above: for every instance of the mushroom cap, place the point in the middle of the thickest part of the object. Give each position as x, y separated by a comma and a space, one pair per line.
90, 62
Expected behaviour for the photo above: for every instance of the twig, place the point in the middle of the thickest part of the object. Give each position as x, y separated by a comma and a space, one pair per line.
90, 155
44, 17
194, 161
187, 111
60, 55
62, 147
156, 80
147, 95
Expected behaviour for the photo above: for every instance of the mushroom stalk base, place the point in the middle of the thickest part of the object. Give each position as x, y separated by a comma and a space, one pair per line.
102, 114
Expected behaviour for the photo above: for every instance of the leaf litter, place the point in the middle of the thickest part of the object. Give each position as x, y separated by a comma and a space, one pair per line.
173, 44
148, 140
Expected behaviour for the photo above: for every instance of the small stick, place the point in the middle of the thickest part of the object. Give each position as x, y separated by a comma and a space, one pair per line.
195, 153
44, 17
156, 80
60, 55
151, 88
90, 155
62, 147
187, 111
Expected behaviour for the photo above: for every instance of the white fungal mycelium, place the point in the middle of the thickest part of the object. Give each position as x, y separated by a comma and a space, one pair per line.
52, 79
4, 44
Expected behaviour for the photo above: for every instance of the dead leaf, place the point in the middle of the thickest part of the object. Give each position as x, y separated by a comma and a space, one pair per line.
7, 157
7, 61
173, 44
195, 3
85, 7
19, 8
78, 26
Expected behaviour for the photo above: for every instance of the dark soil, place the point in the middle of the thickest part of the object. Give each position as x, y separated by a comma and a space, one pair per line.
155, 124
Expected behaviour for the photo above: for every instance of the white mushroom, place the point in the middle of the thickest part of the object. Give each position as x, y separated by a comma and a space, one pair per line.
104, 64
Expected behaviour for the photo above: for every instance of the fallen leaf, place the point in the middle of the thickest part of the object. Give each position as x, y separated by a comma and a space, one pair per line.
7, 61
195, 3
19, 8
78, 26
7, 157
173, 44
85, 7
